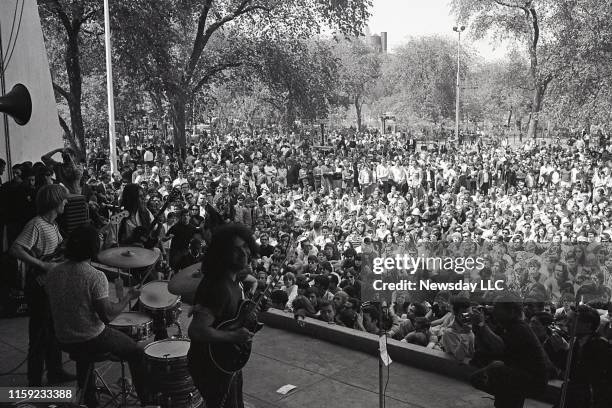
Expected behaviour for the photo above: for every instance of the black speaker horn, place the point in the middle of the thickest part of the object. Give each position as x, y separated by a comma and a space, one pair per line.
17, 104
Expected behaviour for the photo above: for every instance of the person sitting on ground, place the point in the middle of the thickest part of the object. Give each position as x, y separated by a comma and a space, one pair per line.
278, 299
420, 335
326, 311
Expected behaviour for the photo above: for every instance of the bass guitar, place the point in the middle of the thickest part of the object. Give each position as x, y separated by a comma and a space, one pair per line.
231, 357
156, 225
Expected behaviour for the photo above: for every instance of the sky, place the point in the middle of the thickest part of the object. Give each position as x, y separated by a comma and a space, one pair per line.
404, 18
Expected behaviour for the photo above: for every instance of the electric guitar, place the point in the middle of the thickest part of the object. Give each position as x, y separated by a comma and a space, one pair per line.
109, 233
231, 357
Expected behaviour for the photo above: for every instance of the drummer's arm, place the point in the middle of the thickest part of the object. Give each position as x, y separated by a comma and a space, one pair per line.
108, 310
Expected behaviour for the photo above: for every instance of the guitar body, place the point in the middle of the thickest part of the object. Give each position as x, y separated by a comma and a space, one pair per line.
231, 357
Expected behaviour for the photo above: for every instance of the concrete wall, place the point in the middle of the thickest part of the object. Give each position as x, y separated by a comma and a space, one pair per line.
29, 66
415, 356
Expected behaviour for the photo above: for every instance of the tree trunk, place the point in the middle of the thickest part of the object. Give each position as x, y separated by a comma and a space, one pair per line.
358, 112
179, 103
73, 69
536, 106
289, 116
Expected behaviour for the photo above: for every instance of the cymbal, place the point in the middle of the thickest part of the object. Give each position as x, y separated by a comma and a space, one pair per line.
128, 257
184, 284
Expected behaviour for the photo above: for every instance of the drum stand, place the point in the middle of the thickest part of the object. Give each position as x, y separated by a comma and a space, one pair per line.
126, 390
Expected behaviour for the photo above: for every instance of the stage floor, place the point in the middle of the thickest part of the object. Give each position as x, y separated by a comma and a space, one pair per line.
326, 375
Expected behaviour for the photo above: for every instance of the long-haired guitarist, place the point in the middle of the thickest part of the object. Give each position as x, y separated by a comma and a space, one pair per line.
133, 199
217, 300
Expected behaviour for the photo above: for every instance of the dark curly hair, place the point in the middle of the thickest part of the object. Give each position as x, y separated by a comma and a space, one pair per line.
220, 250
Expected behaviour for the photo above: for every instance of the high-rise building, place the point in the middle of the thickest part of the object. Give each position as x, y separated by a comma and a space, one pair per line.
383, 39
375, 42
378, 42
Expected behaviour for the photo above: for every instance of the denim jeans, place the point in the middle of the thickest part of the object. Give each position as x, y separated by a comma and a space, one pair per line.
117, 343
43, 346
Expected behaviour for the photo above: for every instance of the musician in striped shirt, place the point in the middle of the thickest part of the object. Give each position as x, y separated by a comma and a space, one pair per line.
39, 239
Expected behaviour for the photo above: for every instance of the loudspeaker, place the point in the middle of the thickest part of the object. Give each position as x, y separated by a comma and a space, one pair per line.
17, 104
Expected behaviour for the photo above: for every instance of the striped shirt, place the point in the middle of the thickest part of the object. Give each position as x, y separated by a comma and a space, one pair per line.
39, 237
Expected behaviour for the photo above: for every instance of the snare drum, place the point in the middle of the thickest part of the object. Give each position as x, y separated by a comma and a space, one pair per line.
135, 324
168, 373
160, 304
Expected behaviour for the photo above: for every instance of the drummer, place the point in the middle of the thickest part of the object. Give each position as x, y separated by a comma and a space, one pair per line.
80, 306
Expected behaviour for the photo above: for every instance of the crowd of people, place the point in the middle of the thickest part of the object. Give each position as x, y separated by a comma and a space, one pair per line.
538, 214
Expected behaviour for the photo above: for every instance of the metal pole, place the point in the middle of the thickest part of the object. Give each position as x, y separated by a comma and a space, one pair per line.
7, 139
109, 88
381, 391
458, 89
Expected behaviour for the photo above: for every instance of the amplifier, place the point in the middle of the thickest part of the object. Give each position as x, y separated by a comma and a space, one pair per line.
76, 214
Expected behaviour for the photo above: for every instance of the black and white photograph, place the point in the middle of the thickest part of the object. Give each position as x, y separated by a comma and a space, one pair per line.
306, 203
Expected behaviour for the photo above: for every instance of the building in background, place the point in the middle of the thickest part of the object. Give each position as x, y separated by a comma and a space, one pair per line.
377, 41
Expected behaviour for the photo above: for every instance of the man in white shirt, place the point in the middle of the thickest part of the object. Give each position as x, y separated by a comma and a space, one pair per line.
180, 180
148, 156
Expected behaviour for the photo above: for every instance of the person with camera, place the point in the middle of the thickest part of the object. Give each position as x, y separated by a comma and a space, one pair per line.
553, 340
590, 376
457, 335
519, 366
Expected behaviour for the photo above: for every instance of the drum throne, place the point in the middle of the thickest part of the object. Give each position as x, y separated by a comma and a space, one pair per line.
86, 362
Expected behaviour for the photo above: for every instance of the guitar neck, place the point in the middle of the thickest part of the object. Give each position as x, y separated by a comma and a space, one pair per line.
155, 224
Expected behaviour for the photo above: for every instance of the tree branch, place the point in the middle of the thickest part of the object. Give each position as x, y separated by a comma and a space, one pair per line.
68, 133
506, 4
199, 42
90, 14
536, 27
213, 72
57, 8
202, 37
533, 47
62, 92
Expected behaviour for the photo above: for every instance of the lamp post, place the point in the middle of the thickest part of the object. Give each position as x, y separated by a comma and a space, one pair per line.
109, 89
458, 30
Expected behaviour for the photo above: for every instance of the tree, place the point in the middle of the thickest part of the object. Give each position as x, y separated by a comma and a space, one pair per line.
360, 67
583, 91
178, 47
64, 23
418, 81
299, 77
498, 92
523, 20
567, 42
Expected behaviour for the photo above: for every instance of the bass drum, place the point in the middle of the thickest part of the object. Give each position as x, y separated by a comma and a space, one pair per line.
168, 374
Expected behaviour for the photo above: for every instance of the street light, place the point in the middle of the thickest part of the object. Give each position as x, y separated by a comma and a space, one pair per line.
458, 30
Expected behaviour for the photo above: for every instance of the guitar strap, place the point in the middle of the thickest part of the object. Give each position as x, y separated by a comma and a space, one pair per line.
241, 290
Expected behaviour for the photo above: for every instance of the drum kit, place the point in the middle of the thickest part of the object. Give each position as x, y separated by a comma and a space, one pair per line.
165, 360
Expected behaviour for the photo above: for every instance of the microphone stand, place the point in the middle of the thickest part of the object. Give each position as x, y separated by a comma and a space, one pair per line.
381, 396
569, 358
